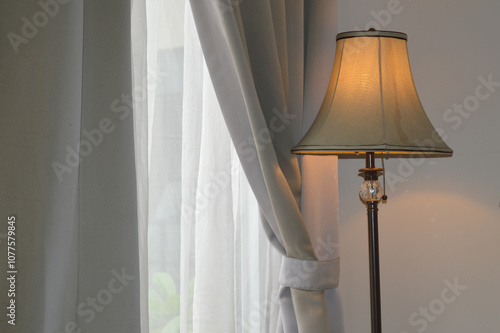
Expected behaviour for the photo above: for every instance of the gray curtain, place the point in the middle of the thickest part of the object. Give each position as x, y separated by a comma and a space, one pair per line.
67, 169
270, 62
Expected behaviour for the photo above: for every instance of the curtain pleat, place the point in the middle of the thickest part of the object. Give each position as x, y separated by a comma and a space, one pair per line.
68, 165
211, 268
192, 120
255, 54
140, 93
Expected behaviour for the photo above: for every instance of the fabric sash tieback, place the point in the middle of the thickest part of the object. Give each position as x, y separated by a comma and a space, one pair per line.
309, 274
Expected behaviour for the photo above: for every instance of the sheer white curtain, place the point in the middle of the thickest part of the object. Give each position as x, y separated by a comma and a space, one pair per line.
256, 55
211, 268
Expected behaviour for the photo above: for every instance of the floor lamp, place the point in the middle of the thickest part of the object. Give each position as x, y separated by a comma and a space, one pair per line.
372, 107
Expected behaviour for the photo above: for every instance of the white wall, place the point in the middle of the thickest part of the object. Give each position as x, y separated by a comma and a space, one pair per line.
442, 222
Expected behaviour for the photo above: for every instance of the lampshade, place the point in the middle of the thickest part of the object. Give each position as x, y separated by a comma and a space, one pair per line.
371, 103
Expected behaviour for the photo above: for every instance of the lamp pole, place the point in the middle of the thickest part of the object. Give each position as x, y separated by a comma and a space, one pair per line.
375, 77
371, 174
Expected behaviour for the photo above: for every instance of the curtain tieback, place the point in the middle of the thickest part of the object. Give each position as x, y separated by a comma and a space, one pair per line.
309, 274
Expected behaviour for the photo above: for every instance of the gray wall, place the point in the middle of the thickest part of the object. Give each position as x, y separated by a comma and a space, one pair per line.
441, 225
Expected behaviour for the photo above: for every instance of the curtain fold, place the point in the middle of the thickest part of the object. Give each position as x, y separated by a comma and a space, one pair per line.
68, 166
211, 268
140, 93
72, 172
255, 54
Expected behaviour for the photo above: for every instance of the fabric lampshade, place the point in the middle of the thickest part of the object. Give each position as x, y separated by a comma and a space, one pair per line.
371, 104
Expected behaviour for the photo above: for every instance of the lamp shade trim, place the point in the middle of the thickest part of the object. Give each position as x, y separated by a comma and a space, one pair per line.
372, 33
371, 103
331, 150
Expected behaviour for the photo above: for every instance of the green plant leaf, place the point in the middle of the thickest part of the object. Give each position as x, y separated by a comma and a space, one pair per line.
173, 326
172, 305
155, 305
165, 284
191, 288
